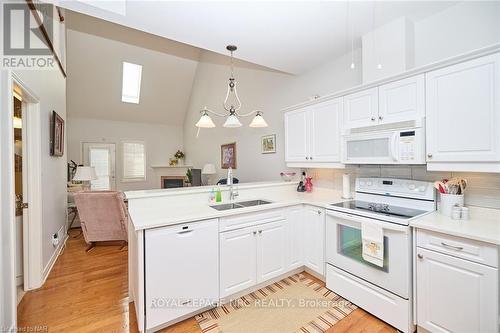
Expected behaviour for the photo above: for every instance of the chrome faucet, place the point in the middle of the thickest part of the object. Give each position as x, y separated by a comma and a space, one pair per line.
233, 193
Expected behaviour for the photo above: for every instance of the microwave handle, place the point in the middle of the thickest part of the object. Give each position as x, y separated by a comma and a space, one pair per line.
394, 146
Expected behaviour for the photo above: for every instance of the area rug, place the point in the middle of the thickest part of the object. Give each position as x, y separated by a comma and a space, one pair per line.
294, 304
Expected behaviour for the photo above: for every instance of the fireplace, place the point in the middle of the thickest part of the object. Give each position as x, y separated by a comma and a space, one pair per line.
172, 181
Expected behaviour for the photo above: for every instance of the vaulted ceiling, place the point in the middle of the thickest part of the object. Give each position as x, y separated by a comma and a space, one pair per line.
290, 36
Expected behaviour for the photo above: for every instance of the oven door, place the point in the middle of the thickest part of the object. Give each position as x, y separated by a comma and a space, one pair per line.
370, 148
343, 250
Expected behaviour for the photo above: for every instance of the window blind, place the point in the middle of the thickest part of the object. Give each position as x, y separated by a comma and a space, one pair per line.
134, 161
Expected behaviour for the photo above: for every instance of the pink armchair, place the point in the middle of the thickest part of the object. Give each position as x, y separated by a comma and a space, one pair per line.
103, 216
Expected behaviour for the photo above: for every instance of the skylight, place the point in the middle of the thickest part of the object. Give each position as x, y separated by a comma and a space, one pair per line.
131, 82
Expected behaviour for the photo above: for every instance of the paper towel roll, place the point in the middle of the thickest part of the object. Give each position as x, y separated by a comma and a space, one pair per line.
346, 186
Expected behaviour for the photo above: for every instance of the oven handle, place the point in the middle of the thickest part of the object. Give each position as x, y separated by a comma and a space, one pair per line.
359, 219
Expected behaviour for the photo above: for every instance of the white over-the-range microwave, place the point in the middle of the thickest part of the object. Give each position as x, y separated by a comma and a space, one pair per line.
396, 145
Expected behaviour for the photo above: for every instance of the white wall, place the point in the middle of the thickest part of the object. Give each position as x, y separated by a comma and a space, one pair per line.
162, 141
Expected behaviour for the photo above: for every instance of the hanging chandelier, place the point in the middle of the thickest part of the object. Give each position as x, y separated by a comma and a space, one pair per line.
232, 107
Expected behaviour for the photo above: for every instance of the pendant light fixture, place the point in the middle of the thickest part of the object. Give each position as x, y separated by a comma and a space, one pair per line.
232, 116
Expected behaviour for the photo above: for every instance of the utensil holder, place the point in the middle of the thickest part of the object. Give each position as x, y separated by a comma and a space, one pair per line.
448, 201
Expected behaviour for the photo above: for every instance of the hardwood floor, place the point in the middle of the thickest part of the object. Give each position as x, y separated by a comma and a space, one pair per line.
88, 292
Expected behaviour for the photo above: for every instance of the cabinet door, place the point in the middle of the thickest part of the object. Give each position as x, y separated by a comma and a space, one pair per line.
296, 149
314, 238
181, 270
237, 260
295, 241
361, 108
271, 250
325, 126
455, 295
402, 100
463, 112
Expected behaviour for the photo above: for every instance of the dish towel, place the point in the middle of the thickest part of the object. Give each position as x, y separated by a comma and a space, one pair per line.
372, 236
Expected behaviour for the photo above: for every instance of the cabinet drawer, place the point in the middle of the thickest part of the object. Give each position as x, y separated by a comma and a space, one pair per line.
250, 219
468, 249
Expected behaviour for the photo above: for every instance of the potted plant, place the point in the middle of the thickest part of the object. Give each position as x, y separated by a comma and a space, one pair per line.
189, 176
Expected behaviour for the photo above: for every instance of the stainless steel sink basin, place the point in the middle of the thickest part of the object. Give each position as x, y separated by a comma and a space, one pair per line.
253, 203
241, 204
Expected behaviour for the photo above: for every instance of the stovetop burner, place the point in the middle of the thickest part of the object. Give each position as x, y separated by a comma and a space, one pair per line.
380, 209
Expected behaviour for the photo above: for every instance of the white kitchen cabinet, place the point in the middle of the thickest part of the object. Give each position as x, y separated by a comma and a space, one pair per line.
175, 259
314, 238
238, 260
324, 131
296, 136
455, 295
361, 109
295, 237
402, 100
271, 250
463, 116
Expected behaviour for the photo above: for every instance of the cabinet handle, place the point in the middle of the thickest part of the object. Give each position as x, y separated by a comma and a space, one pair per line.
311, 158
307, 157
458, 248
429, 155
419, 256
319, 212
380, 117
184, 232
373, 118
260, 231
255, 232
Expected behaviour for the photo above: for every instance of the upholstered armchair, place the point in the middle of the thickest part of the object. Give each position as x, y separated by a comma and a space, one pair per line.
103, 216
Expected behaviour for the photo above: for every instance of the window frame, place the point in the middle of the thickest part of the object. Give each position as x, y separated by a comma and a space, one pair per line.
133, 179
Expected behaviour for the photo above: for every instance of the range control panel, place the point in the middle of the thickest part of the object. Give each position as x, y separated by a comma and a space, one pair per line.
396, 187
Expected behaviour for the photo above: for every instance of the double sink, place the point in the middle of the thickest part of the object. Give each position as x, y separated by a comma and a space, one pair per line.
241, 204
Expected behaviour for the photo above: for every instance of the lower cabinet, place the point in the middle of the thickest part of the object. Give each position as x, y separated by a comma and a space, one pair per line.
295, 237
313, 233
455, 295
181, 271
251, 255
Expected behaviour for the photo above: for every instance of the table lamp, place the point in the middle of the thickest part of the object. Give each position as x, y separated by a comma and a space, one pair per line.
208, 169
85, 174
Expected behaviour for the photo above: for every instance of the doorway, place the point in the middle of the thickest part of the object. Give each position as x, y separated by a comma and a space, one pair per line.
20, 187
102, 157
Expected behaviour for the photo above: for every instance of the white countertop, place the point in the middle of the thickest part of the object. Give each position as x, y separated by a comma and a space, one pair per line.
482, 225
196, 207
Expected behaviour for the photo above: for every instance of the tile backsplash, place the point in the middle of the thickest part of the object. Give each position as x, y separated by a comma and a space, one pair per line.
483, 188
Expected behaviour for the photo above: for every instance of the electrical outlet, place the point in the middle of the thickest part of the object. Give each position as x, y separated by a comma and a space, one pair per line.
55, 240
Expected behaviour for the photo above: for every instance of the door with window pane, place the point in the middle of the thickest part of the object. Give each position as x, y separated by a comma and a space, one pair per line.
102, 157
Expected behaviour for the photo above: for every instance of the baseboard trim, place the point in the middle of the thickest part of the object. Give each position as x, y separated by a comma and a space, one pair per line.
53, 260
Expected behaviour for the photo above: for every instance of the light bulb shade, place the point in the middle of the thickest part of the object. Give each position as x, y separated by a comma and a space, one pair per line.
208, 169
205, 121
258, 121
232, 121
85, 173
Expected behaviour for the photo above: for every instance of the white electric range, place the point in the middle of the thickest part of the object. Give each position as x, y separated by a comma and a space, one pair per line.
390, 203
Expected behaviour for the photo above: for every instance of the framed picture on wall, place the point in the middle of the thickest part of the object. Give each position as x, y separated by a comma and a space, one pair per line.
268, 144
57, 135
228, 156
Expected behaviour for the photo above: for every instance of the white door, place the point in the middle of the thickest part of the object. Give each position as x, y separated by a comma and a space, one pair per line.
314, 233
296, 141
463, 112
238, 263
271, 250
102, 157
361, 109
455, 295
181, 265
402, 100
295, 236
325, 127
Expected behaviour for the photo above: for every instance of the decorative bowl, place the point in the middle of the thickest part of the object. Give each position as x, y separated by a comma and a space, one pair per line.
287, 176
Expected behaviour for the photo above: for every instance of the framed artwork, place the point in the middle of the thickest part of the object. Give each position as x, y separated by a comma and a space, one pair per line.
57, 135
228, 156
268, 144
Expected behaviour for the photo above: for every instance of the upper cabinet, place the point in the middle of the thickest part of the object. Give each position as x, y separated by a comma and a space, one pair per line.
463, 116
361, 108
390, 103
402, 100
312, 134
